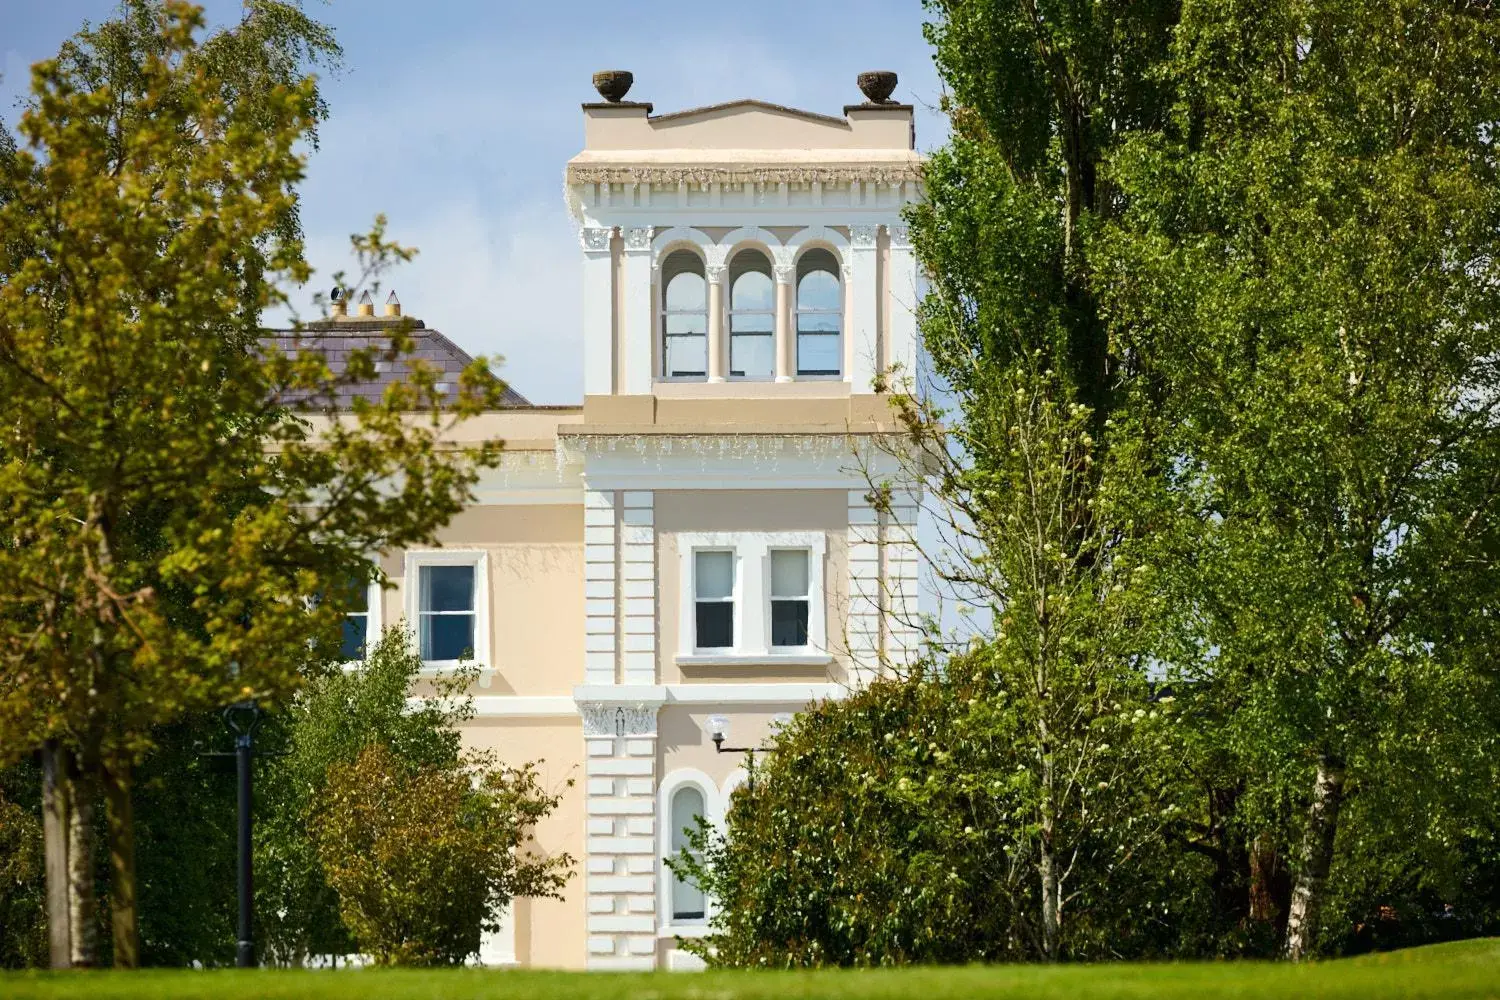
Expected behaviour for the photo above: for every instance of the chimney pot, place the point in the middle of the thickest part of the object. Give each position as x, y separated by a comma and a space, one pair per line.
392, 304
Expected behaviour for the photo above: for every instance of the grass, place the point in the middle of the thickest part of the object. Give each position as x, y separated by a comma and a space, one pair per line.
1461, 969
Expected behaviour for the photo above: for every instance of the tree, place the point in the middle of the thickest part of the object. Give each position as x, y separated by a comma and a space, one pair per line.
1307, 267
424, 858
173, 491
882, 829
329, 723
1038, 470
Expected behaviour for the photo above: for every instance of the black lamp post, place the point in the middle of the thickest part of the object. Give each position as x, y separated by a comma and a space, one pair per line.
243, 719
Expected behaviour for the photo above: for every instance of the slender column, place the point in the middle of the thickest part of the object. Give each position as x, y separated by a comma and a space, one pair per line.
864, 308
598, 312
716, 272
786, 333
640, 321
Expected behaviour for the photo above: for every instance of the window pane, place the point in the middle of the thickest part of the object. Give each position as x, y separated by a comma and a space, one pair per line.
687, 806
715, 624
753, 290
684, 324
356, 628
818, 290
789, 573
789, 623
819, 354
713, 575
752, 355
686, 291
447, 588
447, 637
687, 356
818, 323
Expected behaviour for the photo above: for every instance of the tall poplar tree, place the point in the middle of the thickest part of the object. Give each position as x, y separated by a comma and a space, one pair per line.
1036, 463
168, 504
1308, 267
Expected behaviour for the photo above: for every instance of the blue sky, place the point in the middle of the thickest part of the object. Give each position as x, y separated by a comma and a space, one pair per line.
455, 117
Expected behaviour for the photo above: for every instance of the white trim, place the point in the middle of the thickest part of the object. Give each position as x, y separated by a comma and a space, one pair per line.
374, 620
779, 693
768, 660
752, 562
524, 706
713, 811
479, 559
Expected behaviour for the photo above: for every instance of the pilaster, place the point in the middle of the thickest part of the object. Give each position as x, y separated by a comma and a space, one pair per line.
639, 317
620, 742
863, 624
638, 573
600, 576
863, 307
901, 338
598, 311
903, 639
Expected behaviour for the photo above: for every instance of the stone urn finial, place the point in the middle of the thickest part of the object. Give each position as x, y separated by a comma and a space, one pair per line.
877, 85
613, 84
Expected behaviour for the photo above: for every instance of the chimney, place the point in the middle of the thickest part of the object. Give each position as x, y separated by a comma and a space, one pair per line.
392, 304
340, 301
366, 304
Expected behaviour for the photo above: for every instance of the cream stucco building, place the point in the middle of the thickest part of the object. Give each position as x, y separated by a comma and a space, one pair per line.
693, 540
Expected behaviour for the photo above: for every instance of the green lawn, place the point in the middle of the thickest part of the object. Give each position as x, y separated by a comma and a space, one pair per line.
1448, 971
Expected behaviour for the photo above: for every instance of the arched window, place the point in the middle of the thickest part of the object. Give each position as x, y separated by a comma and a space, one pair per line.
688, 902
684, 316
820, 314
752, 316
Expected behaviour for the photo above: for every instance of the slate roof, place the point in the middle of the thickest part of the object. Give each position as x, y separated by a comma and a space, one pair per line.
336, 338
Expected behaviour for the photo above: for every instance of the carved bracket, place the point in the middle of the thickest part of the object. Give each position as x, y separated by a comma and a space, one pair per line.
637, 240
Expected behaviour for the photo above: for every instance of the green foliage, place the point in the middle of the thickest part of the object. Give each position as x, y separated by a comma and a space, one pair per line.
173, 491
899, 825
1307, 269
334, 718
424, 858
23, 922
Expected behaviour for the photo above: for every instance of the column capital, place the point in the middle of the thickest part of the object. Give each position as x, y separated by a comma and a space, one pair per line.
594, 239
618, 718
862, 237
782, 265
638, 240
900, 237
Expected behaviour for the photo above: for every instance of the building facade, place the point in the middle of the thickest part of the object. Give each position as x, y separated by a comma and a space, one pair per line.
693, 540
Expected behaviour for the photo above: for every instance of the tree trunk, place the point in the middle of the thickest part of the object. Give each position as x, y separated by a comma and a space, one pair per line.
82, 925
1317, 857
55, 843
122, 903
1051, 903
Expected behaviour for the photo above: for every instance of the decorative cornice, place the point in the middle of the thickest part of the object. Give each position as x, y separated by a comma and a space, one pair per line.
615, 718
638, 240
594, 238
769, 446
747, 173
862, 237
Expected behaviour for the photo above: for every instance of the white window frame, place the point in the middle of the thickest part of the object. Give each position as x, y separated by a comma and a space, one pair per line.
477, 558
752, 590
713, 805
374, 622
